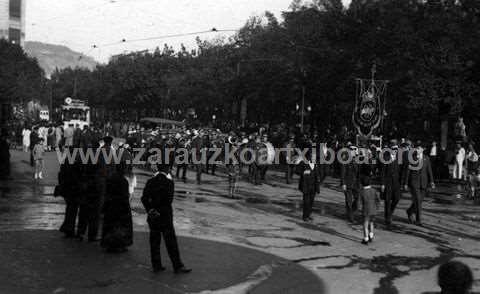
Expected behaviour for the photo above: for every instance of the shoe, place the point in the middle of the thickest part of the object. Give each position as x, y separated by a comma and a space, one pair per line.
364, 242
419, 224
410, 217
310, 218
370, 238
159, 269
183, 270
40, 176
35, 177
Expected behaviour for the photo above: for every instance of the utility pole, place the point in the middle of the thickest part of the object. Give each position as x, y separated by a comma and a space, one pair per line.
51, 99
304, 73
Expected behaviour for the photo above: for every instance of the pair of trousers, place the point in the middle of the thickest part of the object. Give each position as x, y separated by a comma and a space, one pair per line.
263, 171
183, 169
89, 217
199, 170
351, 202
290, 170
71, 212
159, 228
418, 195
308, 201
458, 170
392, 197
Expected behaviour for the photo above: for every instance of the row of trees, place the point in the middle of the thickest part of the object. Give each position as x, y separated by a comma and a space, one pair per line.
21, 79
427, 49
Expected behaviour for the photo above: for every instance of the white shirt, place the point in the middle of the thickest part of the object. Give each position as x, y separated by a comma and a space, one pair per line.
26, 134
460, 156
168, 176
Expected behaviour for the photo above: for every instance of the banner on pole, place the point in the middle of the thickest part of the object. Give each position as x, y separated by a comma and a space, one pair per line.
369, 105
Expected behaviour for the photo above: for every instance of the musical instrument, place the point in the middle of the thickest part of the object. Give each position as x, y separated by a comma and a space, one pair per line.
265, 154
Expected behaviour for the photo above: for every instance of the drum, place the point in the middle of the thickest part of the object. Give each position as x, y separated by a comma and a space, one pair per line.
265, 154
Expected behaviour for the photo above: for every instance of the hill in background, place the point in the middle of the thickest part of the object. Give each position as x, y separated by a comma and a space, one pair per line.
51, 56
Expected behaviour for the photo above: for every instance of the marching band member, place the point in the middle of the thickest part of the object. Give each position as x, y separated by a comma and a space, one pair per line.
391, 181
233, 168
309, 183
418, 177
289, 157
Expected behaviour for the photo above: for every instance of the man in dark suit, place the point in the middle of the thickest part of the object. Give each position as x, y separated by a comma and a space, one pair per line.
71, 182
418, 177
309, 184
391, 181
350, 183
157, 199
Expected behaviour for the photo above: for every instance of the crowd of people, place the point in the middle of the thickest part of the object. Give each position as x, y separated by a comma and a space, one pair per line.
93, 189
356, 178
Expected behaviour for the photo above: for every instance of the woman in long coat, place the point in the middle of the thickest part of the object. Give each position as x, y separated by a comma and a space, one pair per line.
4, 155
117, 233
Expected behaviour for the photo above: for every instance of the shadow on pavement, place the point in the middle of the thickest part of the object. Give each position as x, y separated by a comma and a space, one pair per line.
43, 262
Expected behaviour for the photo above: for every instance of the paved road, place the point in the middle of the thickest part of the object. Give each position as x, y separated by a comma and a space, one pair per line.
266, 219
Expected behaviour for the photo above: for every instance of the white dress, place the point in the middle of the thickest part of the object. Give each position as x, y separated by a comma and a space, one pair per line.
132, 184
26, 137
458, 168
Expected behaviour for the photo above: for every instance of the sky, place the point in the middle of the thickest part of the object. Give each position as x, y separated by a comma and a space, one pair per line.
80, 24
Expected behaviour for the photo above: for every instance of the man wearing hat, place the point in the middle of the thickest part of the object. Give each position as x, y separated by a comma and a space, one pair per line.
418, 177
262, 168
182, 156
350, 173
157, 199
309, 183
105, 169
391, 180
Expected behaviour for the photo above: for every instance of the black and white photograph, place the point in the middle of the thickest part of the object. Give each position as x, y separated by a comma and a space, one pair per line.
240, 146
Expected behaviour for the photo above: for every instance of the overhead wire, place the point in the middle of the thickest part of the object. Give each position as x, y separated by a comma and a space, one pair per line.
124, 41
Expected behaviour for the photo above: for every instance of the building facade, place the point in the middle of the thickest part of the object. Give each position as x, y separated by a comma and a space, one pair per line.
12, 20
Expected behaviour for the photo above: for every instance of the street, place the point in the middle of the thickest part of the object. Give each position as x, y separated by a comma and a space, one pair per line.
257, 243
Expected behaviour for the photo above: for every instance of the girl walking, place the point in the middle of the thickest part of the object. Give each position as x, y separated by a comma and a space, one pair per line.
370, 200
38, 152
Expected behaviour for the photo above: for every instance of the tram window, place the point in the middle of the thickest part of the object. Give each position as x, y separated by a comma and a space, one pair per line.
75, 114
